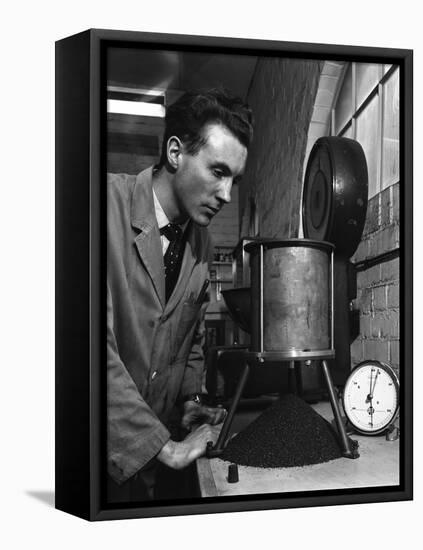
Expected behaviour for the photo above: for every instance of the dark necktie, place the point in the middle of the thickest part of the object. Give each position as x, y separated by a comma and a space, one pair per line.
173, 255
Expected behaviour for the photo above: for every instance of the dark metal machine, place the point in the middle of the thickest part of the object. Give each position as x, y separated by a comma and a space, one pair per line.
335, 193
334, 210
291, 317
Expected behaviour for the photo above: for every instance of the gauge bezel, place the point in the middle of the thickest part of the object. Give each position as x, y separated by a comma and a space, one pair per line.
391, 373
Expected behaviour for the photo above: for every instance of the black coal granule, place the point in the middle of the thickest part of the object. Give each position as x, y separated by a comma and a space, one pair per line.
288, 433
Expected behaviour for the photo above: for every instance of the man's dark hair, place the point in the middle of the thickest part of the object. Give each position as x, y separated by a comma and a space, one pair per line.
187, 117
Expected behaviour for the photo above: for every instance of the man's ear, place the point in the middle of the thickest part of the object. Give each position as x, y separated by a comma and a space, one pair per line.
174, 150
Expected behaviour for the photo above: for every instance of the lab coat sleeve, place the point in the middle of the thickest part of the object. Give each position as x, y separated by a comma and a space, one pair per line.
135, 434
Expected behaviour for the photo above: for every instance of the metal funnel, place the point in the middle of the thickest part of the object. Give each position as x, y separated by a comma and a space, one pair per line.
238, 301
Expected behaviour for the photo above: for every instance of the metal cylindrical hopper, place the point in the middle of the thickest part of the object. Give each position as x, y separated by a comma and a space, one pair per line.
292, 297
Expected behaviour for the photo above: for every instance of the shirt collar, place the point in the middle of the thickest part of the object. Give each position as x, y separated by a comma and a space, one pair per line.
162, 219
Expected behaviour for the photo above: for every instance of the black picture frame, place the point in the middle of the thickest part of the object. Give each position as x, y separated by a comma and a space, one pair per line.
80, 272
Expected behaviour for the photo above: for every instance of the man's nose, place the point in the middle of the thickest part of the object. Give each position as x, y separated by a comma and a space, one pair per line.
224, 191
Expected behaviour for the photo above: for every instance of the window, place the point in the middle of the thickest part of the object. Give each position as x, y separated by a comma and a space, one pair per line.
367, 109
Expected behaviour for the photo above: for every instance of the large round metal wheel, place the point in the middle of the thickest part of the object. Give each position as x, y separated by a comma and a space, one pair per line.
335, 193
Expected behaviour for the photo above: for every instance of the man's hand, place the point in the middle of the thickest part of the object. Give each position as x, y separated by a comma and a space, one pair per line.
179, 454
195, 414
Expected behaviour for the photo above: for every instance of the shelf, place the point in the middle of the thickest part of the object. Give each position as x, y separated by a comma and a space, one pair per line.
221, 281
221, 263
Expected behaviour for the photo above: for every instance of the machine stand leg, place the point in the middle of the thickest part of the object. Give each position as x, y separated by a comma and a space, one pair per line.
294, 378
349, 446
217, 450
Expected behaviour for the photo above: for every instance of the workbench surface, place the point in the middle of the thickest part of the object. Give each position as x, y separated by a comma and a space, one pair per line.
378, 465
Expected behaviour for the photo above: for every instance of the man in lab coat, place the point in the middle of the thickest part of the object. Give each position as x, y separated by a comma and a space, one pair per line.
155, 321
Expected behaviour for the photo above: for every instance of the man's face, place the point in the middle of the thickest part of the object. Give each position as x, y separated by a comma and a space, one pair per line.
203, 181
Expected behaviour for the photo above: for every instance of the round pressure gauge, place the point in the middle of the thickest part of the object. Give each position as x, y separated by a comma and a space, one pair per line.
371, 397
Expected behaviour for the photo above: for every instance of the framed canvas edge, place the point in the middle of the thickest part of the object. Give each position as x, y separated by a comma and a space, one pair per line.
250, 504
99, 38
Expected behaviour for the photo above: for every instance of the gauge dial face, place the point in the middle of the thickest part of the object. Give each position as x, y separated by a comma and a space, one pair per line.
371, 399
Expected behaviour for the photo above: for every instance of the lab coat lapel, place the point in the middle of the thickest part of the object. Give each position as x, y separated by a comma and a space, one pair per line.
147, 241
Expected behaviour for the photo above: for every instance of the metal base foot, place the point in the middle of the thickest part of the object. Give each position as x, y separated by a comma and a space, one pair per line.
353, 451
213, 452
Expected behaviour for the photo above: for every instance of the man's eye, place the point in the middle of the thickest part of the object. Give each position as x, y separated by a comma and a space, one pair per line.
218, 173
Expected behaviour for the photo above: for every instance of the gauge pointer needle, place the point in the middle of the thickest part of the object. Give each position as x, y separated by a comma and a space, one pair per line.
369, 396
374, 385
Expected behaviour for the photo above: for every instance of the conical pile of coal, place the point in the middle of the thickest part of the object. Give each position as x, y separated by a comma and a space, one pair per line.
288, 433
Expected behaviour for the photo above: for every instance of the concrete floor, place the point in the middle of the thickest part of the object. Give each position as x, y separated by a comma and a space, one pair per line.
378, 465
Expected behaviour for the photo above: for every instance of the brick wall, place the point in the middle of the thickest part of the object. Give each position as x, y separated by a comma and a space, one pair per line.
378, 285
282, 96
